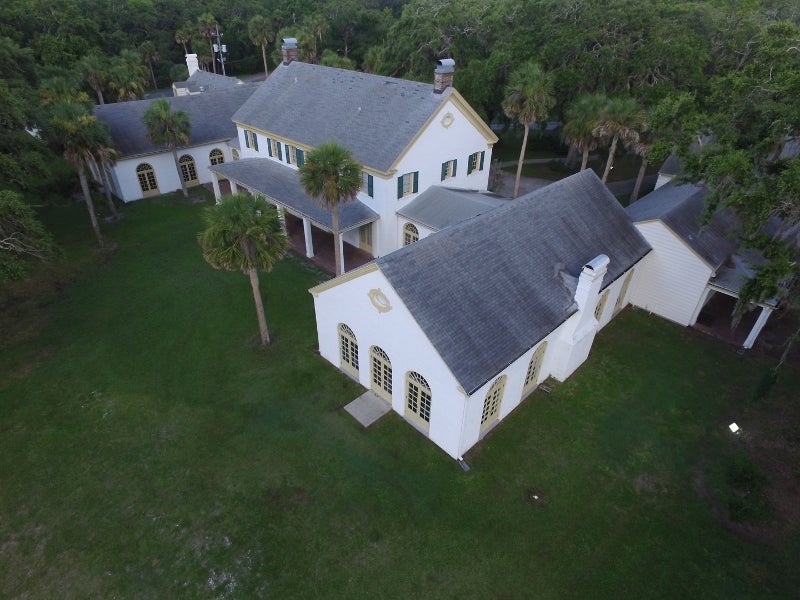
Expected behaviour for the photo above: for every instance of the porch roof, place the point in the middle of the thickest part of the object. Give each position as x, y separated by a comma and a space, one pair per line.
281, 185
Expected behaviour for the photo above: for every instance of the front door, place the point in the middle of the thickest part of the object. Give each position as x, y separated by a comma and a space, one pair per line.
381, 373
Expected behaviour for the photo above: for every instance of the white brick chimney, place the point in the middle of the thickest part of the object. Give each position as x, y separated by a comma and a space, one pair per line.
578, 335
192, 64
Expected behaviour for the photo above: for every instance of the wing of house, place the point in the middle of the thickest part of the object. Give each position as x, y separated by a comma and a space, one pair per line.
691, 259
144, 169
456, 329
407, 135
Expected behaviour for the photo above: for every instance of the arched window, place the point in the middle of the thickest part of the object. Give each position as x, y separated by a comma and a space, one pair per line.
216, 156
418, 399
601, 306
621, 298
381, 373
235, 153
188, 170
147, 179
410, 234
491, 404
348, 350
534, 369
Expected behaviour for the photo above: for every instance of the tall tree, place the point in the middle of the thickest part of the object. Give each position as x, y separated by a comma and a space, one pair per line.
529, 95
183, 36
78, 133
243, 233
332, 176
22, 236
128, 76
207, 26
94, 68
172, 129
622, 119
149, 53
582, 117
261, 34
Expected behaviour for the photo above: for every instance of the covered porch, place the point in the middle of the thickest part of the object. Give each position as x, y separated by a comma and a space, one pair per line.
308, 226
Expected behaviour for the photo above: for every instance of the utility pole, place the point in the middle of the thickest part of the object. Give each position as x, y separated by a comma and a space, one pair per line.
220, 48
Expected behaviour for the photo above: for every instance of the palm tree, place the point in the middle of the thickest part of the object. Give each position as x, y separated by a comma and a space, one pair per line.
622, 119
172, 129
94, 68
207, 26
128, 76
104, 155
183, 36
149, 53
529, 95
581, 120
261, 34
77, 133
244, 233
333, 177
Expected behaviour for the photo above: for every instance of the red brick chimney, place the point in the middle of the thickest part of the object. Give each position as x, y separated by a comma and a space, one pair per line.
443, 75
289, 50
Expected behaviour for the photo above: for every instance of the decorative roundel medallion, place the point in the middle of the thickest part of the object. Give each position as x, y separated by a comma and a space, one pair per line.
447, 120
379, 301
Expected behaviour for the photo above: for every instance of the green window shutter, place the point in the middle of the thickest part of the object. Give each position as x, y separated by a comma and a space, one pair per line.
255, 141
280, 153
288, 154
269, 146
370, 192
300, 157
246, 138
470, 163
455, 164
415, 181
482, 155
444, 170
399, 187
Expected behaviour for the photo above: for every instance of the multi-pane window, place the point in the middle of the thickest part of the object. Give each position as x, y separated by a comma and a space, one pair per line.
408, 184
290, 150
381, 375
251, 139
410, 234
449, 169
601, 305
216, 156
235, 153
367, 184
418, 398
348, 349
275, 149
621, 298
188, 170
475, 162
491, 404
147, 178
534, 369
299, 157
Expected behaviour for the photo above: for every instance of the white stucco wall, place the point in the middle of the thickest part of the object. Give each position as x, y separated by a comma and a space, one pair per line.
398, 334
673, 278
127, 182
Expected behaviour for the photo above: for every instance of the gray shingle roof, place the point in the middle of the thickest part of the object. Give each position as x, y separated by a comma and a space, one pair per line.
680, 207
375, 117
282, 184
203, 81
210, 115
487, 290
440, 207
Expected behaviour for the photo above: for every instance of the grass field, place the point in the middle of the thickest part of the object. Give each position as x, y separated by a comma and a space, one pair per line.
149, 449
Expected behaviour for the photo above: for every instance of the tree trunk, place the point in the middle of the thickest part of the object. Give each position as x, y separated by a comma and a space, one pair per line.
99, 91
639, 178
572, 156
180, 174
87, 197
337, 247
152, 75
521, 158
264, 56
106, 187
610, 160
585, 161
262, 319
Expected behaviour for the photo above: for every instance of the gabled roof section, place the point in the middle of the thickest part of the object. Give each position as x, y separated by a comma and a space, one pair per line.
680, 207
209, 113
375, 117
282, 184
487, 290
203, 81
439, 207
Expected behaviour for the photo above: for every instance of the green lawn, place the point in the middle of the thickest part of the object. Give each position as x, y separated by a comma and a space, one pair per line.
148, 449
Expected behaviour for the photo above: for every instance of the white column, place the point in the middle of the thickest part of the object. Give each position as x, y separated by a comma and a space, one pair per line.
215, 185
281, 218
341, 252
759, 325
307, 236
234, 187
